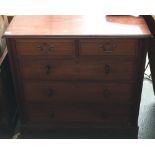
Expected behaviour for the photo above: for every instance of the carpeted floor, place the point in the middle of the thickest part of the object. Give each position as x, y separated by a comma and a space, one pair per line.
146, 119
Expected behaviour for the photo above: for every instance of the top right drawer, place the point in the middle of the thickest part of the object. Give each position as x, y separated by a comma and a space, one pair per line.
109, 46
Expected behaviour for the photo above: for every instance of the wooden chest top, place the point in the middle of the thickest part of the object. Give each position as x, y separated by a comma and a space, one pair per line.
76, 25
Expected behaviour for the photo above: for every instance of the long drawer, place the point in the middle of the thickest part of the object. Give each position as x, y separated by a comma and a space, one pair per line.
84, 93
108, 46
81, 70
98, 113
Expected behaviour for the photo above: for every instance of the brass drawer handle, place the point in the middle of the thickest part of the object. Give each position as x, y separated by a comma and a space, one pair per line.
48, 69
51, 48
107, 68
106, 93
45, 47
40, 47
108, 47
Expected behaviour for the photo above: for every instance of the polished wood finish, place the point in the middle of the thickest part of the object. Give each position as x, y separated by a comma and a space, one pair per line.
107, 70
47, 47
88, 25
80, 92
109, 46
78, 72
110, 115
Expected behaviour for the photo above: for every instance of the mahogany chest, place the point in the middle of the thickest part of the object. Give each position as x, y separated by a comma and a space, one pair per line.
78, 72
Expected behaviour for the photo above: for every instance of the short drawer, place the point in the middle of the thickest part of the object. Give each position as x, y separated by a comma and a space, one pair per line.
108, 46
108, 115
83, 70
84, 93
46, 47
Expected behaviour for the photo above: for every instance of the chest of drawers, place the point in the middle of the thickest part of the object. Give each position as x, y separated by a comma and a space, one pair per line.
73, 73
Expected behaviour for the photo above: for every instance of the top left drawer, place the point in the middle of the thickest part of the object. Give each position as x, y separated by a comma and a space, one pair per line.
49, 47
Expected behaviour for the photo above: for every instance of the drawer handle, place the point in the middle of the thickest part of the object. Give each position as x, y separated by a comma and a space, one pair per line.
107, 68
48, 69
51, 48
52, 115
40, 47
108, 47
106, 93
50, 93
45, 47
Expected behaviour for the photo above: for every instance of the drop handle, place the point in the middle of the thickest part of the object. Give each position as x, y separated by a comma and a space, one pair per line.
48, 69
45, 47
107, 68
51, 48
40, 47
106, 93
108, 47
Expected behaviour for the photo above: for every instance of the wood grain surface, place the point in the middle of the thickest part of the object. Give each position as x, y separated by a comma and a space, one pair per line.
75, 25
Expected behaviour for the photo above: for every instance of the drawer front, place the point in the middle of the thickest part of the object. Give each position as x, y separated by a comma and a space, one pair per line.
82, 70
109, 46
47, 47
84, 93
109, 114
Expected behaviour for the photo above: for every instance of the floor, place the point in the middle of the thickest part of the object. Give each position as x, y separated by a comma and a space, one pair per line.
146, 119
